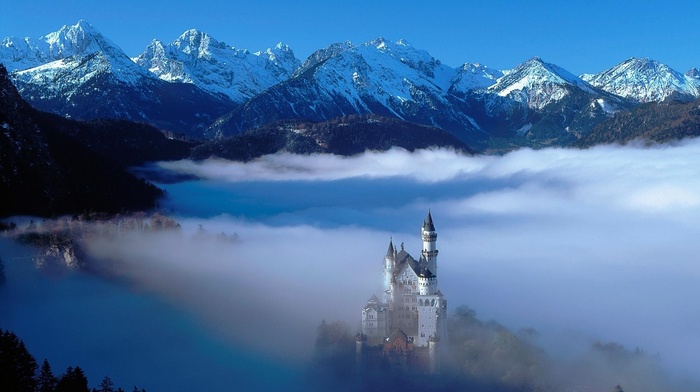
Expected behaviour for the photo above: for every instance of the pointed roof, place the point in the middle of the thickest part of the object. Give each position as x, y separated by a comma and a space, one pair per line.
428, 223
390, 252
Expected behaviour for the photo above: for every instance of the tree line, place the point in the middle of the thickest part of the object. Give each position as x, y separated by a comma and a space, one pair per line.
19, 372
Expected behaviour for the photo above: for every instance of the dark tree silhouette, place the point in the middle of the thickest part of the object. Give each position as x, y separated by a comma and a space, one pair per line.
17, 365
46, 381
73, 380
106, 385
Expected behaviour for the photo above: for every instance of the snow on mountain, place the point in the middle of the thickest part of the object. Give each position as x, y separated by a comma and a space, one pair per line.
474, 77
76, 54
79, 39
693, 73
86, 76
645, 80
195, 57
386, 72
322, 55
537, 83
379, 76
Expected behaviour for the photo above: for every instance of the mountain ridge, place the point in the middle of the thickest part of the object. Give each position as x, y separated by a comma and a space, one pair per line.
89, 77
206, 88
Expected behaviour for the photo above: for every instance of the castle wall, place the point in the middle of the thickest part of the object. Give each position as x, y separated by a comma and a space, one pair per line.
432, 313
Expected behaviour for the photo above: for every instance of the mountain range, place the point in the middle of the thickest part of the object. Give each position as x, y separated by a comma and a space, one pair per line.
206, 89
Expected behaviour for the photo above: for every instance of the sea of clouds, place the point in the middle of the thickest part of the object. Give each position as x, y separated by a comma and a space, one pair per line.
582, 245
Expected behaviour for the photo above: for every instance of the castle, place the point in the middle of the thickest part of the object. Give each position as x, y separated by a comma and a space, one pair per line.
405, 326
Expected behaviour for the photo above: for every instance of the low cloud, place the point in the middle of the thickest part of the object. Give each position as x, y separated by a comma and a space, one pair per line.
582, 245
596, 243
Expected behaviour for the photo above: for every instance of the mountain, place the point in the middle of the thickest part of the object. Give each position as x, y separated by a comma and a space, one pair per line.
24, 53
207, 89
378, 77
88, 77
537, 84
535, 104
670, 120
470, 77
646, 80
46, 172
197, 58
347, 135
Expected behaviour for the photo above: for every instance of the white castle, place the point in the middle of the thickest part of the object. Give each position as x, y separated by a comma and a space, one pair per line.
406, 325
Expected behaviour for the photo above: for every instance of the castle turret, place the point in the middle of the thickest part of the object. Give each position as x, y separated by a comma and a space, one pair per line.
429, 252
389, 260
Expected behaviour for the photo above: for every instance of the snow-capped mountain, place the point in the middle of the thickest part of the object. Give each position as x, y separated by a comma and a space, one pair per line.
645, 80
379, 77
87, 76
75, 55
200, 86
24, 53
537, 84
197, 58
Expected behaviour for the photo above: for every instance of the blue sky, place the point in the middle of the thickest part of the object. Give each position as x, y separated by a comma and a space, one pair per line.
580, 36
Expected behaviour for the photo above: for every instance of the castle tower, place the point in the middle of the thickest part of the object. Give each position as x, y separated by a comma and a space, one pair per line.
429, 252
389, 260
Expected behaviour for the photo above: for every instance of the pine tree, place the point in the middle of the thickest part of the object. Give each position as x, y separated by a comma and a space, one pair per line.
106, 385
46, 381
73, 380
17, 365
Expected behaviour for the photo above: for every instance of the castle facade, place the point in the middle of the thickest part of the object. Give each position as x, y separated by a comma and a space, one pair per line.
406, 324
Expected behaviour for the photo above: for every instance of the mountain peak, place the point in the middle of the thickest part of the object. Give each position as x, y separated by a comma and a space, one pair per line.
693, 73
537, 83
80, 39
196, 57
193, 35
282, 47
644, 80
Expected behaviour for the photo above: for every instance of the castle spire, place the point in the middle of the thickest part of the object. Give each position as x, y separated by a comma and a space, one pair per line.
390, 252
429, 235
428, 223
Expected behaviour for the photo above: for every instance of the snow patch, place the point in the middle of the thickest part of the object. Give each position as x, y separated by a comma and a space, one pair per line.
604, 105
524, 129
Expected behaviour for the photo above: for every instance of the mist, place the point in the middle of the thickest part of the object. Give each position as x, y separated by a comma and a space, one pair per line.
581, 245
